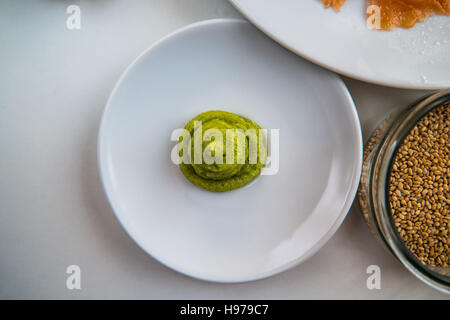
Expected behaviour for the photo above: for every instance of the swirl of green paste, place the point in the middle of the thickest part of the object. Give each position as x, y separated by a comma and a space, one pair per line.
227, 174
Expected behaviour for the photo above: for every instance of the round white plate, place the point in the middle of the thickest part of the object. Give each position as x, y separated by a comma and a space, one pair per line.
416, 58
266, 227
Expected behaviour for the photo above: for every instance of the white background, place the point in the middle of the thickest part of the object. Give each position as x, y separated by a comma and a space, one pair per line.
54, 83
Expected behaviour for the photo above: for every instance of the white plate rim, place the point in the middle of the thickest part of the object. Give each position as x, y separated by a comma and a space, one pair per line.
336, 69
351, 195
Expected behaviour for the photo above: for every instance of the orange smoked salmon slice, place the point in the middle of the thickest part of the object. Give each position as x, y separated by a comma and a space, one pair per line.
336, 4
401, 13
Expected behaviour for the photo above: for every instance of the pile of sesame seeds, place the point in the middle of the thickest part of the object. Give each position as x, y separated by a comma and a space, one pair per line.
419, 193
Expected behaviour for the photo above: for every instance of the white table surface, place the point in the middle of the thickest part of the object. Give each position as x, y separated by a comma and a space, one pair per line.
54, 83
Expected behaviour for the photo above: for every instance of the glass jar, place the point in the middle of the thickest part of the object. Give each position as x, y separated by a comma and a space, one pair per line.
374, 187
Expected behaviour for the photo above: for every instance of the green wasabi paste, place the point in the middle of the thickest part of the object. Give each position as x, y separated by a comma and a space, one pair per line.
230, 152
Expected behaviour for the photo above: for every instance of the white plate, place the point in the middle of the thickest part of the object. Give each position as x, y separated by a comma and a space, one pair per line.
416, 58
263, 228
